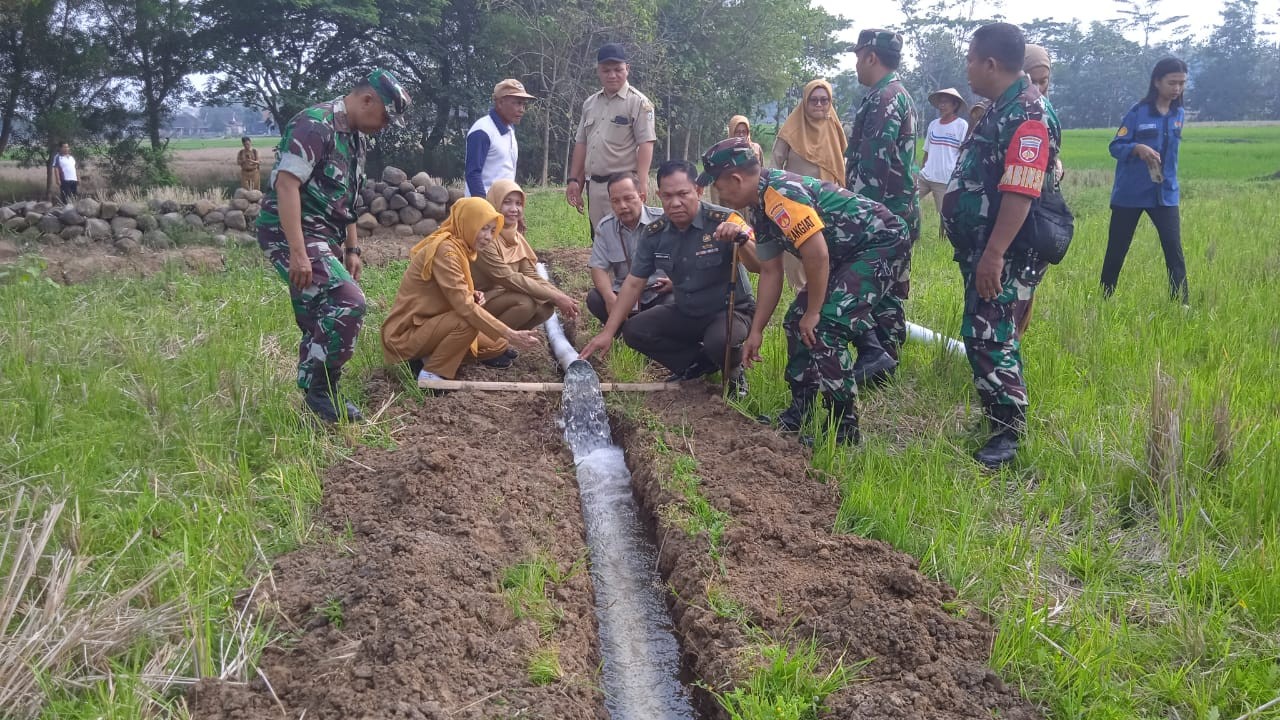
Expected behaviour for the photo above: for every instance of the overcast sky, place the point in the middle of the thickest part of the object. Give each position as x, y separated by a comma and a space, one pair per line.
1202, 14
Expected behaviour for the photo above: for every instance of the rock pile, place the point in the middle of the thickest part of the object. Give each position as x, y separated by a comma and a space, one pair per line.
408, 207
396, 204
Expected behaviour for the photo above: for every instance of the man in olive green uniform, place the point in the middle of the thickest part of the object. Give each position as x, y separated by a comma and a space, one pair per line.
688, 335
880, 164
1004, 165
307, 213
851, 248
616, 134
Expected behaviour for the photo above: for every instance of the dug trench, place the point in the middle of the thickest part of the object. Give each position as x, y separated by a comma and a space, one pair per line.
402, 608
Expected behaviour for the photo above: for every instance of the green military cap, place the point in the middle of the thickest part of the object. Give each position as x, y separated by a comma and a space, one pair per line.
877, 39
725, 155
393, 95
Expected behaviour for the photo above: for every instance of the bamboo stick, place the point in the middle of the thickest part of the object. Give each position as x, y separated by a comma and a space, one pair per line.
488, 386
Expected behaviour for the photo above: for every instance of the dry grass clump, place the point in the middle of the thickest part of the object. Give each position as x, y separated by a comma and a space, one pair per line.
57, 629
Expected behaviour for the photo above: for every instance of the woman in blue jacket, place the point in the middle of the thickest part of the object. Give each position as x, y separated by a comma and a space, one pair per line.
1146, 153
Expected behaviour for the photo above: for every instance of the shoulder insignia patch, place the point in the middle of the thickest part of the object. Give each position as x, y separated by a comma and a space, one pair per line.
656, 226
1124, 130
717, 215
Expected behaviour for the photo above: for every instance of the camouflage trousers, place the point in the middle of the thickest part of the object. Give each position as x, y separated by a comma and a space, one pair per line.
854, 288
329, 311
989, 330
890, 314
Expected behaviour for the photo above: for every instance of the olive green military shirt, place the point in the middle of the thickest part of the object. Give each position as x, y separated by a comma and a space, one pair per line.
697, 263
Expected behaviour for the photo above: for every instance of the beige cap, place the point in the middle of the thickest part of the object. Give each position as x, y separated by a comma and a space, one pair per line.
510, 88
948, 92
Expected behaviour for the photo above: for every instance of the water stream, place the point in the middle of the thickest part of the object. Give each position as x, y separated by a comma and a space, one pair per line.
641, 656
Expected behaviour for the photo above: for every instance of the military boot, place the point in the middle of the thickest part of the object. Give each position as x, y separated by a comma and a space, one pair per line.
874, 366
325, 401
1007, 423
844, 414
792, 419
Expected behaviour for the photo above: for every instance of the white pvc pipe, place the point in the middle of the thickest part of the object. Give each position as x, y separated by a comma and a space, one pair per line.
560, 346
920, 332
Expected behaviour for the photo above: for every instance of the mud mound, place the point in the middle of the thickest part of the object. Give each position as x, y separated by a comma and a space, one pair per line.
399, 614
796, 580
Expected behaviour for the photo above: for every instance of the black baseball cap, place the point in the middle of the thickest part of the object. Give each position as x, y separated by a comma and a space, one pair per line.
612, 52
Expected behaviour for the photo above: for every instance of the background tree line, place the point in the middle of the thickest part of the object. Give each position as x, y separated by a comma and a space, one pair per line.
111, 72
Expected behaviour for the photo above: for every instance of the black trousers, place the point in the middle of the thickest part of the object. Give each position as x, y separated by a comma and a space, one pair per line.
70, 190
1168, 224
675, 340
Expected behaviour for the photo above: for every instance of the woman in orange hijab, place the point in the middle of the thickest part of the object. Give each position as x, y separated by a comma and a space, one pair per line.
504, 269
438, 319
811, 142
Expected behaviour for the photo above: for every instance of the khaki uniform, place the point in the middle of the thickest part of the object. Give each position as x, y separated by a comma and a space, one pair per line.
612, 128
250, 173
513, 292
438, 320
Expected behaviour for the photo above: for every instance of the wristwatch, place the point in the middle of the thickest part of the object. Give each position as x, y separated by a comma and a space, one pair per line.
353, 251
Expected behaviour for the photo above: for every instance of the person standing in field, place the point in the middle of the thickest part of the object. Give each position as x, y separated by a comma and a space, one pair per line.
250, 166
1002, 168
492, 151
64, 172
880, 165
850, 246
1039, 69
942, 146
616, 134
1146, 152
307, 229
811, 143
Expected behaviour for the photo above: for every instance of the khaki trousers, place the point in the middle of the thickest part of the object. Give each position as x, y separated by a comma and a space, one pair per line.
517, 310
444, 342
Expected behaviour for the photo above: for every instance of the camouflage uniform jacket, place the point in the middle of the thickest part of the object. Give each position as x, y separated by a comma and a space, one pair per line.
1008, 150
320, 147
880, 159
794, 208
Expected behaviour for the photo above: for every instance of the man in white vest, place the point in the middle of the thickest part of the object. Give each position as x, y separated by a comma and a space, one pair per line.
492, 151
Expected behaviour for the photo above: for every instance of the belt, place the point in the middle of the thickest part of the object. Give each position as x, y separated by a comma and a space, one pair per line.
599, 178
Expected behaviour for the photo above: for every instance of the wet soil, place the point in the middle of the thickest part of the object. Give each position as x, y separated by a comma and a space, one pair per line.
796, 580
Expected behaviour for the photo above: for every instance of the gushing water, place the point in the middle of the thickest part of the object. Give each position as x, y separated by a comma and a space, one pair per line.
641, 657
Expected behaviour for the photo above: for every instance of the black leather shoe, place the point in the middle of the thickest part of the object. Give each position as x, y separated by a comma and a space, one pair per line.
501, 362
1007, 424
792, 419
700, 367
321, 403
874, 365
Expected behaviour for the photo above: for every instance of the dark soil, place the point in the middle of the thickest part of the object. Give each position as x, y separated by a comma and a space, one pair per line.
796, 580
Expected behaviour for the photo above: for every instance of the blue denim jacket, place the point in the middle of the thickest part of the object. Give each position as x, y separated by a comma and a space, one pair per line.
1133, 187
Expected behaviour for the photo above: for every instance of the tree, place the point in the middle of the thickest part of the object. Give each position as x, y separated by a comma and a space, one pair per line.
157, 45
1146, 16
1225, 86
283, 55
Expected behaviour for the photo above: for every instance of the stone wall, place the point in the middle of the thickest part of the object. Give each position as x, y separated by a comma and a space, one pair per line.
397, 205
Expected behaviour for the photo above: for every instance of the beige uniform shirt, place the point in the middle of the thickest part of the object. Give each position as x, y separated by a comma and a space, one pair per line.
612, 127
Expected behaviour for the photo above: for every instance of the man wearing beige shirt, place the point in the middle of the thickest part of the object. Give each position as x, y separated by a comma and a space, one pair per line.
616, 134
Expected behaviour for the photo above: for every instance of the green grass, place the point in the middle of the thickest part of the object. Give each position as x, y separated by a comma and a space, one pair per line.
786, 684
1127, 576
544, 666
525, 586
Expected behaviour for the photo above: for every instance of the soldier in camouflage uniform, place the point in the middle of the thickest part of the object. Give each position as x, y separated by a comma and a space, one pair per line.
852, 250
880, 165
1001, 169
308, 212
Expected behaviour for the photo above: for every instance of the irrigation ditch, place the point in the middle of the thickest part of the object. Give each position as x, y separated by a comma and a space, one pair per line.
456, 575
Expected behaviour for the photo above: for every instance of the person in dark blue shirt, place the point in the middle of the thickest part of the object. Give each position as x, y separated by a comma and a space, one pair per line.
1146, 152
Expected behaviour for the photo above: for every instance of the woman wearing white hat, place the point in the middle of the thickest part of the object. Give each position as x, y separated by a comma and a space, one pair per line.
942, 145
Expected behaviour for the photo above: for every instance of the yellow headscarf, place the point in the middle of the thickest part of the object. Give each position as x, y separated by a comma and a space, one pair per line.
1036, 56
458, 232
737, 120
511, 243
820, 142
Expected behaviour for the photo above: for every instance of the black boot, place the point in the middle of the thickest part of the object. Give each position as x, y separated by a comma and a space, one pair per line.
738, 383
874, 366
700, 367
792, 419
325, 401
1007, 423
844, 415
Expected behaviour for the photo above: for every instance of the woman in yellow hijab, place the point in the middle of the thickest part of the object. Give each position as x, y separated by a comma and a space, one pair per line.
811, 142
504, 269
740, 127
438, 319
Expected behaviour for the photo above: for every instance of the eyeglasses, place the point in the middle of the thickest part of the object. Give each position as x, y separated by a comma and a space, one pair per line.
819, 101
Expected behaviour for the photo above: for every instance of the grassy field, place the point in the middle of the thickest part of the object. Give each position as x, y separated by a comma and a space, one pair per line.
1129, 560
